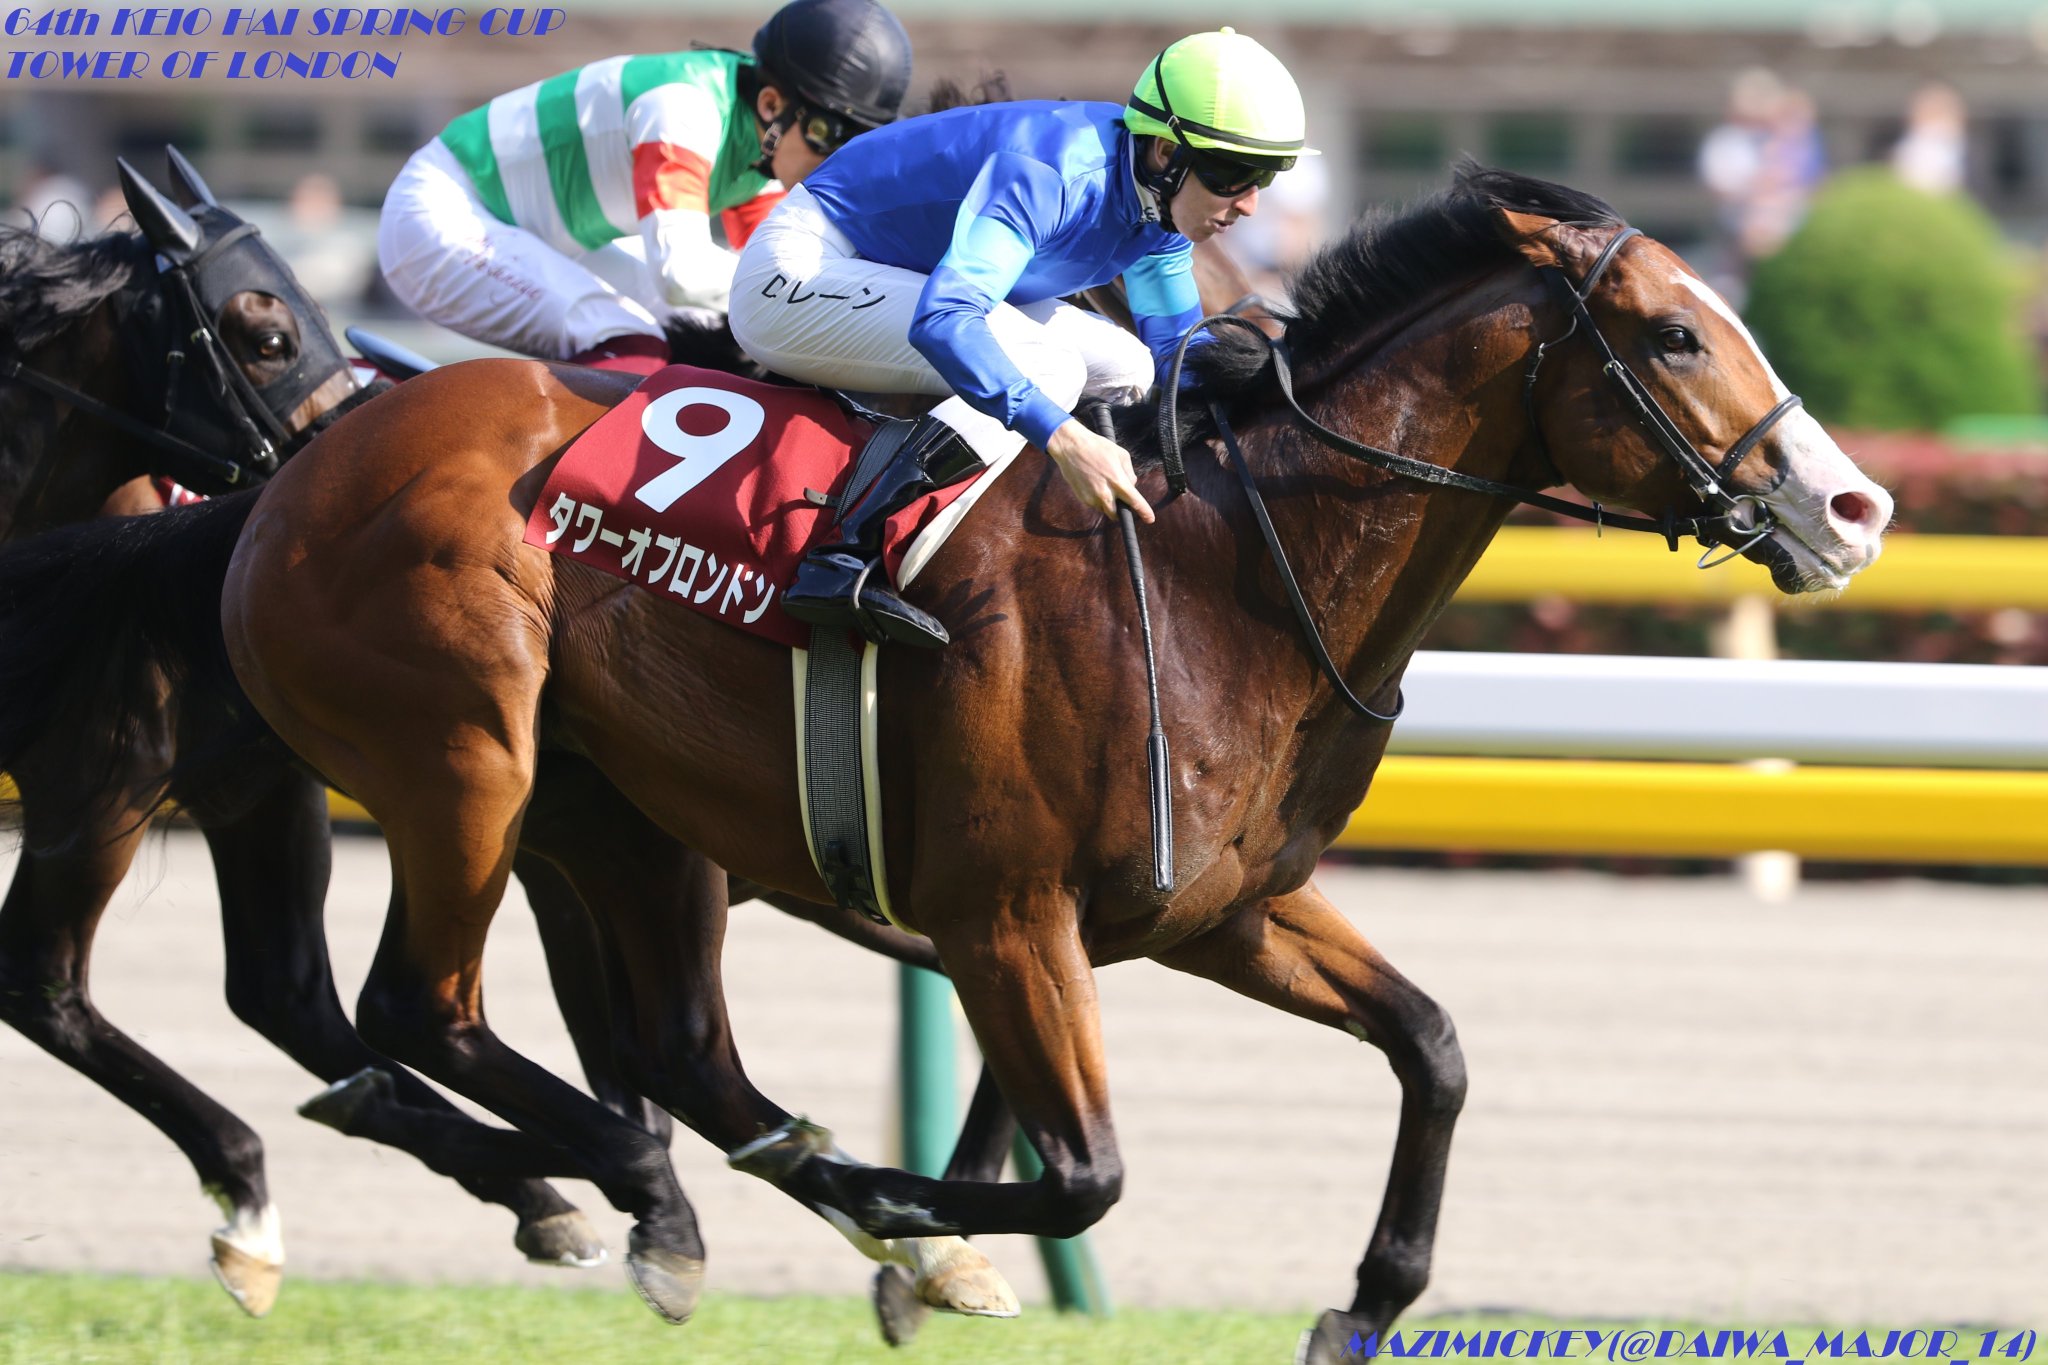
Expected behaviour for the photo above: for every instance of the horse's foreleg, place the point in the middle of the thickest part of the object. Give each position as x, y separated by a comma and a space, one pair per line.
1298, 953
272, 863
661, 913
47, 924
979, 1154
1029, 991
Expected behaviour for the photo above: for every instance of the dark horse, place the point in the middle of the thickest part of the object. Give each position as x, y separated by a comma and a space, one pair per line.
113, 368
382, 613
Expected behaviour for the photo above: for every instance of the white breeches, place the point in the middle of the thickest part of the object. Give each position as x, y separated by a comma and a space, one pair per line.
806, 305
452, 262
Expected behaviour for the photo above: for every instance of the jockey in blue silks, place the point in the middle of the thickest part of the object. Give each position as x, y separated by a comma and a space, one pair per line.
930, 256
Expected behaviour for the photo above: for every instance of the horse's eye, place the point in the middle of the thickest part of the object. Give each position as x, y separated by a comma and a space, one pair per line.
1678, 339
272, 345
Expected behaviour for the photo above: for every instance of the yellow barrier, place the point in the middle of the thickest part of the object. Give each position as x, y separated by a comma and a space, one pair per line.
1915, 572
1704, 810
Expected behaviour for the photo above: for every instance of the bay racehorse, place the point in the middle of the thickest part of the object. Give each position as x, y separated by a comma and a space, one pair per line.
383, 614
80, 430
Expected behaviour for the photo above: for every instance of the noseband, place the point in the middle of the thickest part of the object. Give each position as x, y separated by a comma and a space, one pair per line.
1706, 481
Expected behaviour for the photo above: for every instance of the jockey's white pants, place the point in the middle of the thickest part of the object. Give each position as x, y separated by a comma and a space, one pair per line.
449, 260
806, 305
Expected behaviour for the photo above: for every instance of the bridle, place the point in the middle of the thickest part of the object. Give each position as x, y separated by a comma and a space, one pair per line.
1707, 481
176, 331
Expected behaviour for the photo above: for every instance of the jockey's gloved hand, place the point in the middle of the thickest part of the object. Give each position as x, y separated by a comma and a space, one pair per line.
1097, 469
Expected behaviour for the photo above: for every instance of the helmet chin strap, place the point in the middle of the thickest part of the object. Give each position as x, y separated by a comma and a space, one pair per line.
1164, 183
771, 138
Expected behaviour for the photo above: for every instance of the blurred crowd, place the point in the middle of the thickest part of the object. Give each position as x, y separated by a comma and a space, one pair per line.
1765, 159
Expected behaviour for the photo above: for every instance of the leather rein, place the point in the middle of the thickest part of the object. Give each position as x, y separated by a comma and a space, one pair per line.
1707, 480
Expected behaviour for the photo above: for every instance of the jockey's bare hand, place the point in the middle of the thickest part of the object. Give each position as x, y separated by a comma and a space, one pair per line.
1097, 469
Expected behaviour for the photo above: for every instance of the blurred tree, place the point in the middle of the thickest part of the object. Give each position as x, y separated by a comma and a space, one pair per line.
1893, 308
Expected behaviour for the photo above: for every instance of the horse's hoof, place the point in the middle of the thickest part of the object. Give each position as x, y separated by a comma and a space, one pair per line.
777, 1154
670, 1281
338, 1105
250, 1280
968, 1284
567, 1239
899, 1312
1336, 1339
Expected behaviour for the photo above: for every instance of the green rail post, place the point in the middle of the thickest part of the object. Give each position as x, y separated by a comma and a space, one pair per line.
931, 1122
931, 1105
1070, 1267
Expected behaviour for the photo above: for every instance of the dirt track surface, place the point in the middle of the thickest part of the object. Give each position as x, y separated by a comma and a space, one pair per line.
1683, 1104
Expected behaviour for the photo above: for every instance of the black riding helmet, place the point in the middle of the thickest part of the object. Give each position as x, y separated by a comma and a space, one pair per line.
844, 57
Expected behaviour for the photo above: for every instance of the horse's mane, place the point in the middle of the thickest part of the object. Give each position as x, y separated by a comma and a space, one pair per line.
46, 286
947, 93
1385, 264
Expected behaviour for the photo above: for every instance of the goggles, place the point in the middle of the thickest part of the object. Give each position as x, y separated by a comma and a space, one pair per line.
825, 132
1227, 178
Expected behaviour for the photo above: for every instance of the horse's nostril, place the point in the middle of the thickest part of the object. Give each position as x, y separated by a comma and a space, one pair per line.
1853, 508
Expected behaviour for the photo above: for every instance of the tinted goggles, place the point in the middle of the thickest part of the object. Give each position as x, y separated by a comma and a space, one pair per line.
1227, 178
825, 132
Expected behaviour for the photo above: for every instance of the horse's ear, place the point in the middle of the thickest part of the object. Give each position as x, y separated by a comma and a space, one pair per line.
169, 228
186, 186
1528, 233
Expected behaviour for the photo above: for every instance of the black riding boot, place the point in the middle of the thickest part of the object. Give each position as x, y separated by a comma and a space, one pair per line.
842, 582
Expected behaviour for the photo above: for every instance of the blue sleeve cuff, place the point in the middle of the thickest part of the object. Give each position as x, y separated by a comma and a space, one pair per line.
1039, 417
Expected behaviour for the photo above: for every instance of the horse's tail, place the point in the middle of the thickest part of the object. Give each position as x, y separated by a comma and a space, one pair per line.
102, 623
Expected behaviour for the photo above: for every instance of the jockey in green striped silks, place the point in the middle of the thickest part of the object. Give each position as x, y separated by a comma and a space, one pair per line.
571, 218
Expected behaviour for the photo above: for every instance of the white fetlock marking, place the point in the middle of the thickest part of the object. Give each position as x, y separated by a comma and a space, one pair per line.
926, 1258
258, 1234
879, 1250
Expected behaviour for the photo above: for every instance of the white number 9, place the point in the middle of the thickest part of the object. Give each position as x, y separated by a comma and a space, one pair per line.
697, 457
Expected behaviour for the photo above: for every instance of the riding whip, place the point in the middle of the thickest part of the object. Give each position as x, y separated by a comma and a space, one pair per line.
1156, 756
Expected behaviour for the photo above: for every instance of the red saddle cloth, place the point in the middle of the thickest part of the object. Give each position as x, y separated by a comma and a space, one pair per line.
693, 488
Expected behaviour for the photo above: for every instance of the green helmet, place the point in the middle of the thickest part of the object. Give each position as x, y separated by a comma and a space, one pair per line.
1221, 92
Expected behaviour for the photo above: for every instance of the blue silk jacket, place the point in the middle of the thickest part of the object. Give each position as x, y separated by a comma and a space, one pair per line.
1008, 202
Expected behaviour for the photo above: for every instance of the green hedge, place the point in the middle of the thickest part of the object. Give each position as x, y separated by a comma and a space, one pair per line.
1894, 309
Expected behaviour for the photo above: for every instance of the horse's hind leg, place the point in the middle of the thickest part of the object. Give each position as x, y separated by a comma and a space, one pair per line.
450, 802
1300, 954
576, 971
272, 862
47, 924
661, 911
